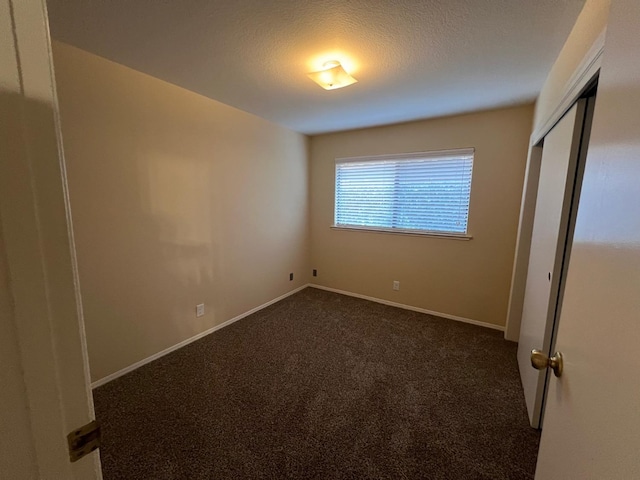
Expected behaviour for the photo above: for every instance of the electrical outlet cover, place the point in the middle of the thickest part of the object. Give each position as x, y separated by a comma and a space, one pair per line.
200, 310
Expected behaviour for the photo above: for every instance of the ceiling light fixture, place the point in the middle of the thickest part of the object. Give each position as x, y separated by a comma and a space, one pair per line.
332, 76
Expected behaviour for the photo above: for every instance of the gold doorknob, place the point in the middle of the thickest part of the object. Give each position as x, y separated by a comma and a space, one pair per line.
540, 361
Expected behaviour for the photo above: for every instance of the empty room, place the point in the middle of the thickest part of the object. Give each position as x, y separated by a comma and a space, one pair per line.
359, 239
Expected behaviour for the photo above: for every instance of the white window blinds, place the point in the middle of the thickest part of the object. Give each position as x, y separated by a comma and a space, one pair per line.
417, 192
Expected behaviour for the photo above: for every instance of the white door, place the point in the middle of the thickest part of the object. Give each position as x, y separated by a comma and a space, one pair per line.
592, 414
44, 314
555, 189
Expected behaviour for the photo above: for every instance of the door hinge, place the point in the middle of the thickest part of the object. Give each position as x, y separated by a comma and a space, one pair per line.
83, 440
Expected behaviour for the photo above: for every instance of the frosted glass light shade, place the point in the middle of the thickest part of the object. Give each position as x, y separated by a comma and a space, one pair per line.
332, 76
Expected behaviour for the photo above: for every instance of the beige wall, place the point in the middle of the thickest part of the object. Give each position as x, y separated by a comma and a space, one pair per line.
591, 22
176, 200
468, 279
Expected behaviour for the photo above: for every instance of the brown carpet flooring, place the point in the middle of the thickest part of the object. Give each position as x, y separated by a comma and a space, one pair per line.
323, 386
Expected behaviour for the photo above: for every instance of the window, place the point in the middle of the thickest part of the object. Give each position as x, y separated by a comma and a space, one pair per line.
411, 193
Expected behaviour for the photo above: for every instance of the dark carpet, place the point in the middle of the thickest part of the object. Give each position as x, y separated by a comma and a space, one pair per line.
323, 386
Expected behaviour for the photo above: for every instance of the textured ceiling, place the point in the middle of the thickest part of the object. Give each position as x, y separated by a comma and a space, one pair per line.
413, 58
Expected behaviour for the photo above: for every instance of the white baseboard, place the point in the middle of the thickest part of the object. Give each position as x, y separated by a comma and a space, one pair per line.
409, 307
164, 352
175, 347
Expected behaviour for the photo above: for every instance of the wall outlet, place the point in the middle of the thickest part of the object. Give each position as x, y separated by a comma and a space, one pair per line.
200, 310
315, 272
396, 285
290, 276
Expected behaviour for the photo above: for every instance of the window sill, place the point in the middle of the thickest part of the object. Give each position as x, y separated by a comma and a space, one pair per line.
397, 231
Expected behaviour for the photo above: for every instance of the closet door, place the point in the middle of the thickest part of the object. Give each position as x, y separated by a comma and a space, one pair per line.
560, 153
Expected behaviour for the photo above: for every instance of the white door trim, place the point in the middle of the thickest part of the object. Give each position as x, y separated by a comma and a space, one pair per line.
581, 77
34, 211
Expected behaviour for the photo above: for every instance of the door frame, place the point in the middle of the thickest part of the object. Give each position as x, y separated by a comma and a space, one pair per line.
577, 85
39, 247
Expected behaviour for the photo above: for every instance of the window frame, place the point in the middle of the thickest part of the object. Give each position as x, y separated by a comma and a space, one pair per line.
408, 157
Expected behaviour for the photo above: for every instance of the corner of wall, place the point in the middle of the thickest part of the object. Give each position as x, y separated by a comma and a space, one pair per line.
582, 47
